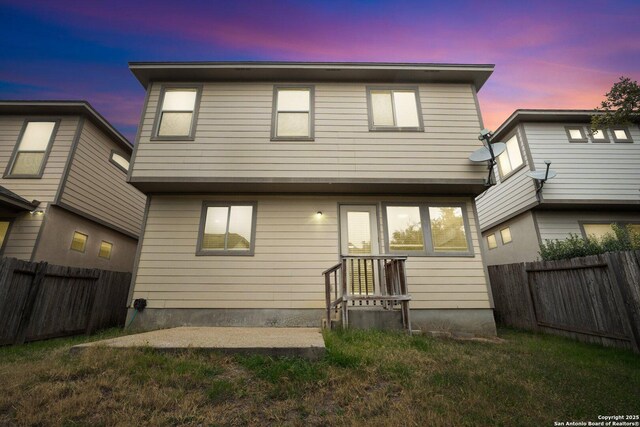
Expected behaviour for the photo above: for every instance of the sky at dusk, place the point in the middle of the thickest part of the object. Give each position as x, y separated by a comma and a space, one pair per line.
548, 54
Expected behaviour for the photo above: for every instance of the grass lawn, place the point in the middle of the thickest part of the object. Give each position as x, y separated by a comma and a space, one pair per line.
371, 378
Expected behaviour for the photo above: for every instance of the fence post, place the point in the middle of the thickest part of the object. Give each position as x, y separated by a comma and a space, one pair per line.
532, 303
626, 297
30, 303
94, 292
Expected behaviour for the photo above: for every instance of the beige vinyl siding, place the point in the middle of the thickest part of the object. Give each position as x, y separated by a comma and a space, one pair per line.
607, 171
558, 224
234, 128
292, 249
97, 187
506, 198
25, 228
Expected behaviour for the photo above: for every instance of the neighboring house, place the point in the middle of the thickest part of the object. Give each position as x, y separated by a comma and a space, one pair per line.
597, 183
260, 176
64, 198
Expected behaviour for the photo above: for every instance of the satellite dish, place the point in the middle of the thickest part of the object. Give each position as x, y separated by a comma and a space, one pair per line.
484, 154
542, 175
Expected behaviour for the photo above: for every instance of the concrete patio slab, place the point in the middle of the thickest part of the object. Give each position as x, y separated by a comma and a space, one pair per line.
299, 342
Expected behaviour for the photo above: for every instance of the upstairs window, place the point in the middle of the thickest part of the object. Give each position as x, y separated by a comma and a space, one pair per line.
32, 149
600, 135
176, 117
575, 134
120, 161
394, 109
511, 158
227, 229
292, 113
621, 135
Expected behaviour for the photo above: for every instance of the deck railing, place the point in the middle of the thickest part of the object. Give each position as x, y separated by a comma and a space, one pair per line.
369, 280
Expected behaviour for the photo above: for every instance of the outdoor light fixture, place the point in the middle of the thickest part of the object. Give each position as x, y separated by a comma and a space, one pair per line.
319, 214
37, 212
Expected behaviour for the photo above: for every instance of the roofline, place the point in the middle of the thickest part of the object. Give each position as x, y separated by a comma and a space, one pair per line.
138, 68
542, 116
56, 107
302, 64
11, 198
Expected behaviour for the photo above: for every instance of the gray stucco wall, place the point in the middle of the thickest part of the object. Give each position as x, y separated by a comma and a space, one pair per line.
57, 233
524, 245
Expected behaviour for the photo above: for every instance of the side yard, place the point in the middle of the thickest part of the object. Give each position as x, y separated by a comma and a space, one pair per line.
367, 377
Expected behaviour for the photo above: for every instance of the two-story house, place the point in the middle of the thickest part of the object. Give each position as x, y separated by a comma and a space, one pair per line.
260, 176
597, 183
64, 198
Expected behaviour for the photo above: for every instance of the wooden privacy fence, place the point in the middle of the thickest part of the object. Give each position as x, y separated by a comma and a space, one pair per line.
592, 299
40, 301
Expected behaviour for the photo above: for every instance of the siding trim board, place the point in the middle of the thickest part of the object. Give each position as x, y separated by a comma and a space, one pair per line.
508, 217
97, 220
481, 243
136, 260
10, 220
143, 113
194, 119
477, 102
45, 158
40, 231
525, 142
274, 112
67, 165
225, 252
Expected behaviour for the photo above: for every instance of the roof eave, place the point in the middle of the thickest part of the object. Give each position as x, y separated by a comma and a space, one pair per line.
146, 72
542, 116
65, 107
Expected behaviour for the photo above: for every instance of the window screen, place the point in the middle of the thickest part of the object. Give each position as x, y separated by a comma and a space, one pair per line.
394, 109
511, 158
32, 148
293, 113
404, 229
176, 116
447, 229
